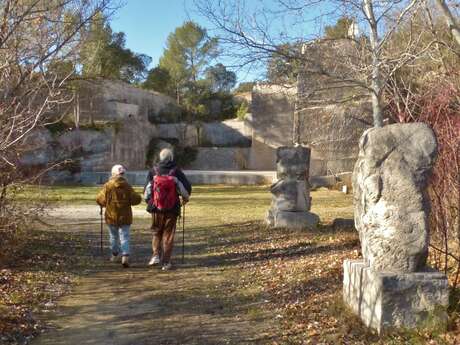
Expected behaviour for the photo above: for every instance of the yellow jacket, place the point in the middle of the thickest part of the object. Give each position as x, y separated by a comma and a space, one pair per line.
117, 196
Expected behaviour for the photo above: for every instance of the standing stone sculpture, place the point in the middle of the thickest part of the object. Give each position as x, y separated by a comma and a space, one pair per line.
392, 286
291, 193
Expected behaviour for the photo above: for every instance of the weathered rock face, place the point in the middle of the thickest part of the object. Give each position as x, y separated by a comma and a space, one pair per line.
228, 133
391, 286
332, 131
219, 158
293, 163
291, 193
390, 206
38, 150
186, 134
108, 100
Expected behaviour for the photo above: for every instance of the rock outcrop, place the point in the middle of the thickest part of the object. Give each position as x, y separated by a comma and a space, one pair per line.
391, 286
330, 129
391, 210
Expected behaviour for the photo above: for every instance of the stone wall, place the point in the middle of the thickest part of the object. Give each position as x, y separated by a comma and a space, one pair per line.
229, 133
270, 121
332, 131
220, 158
118, 123
272, 113
261, 156
129, 120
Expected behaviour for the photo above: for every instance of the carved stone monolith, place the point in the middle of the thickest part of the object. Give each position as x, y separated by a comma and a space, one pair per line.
291, 200
392, 286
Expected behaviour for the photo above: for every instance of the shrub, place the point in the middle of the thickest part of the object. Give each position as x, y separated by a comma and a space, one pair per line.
439, 106
242, 111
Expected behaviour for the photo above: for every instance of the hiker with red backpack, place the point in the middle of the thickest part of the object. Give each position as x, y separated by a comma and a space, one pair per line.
165, 183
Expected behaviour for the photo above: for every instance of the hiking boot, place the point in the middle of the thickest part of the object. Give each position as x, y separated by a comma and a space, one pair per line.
114, 257
125, 261
155, 260
166, 267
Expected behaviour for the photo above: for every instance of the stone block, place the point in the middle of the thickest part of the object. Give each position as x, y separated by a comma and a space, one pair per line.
262, 156
293, 220
385, 300
389, 182
220, 158
293, 162
290, 195
224, 134
139, 177
236, 178
284, 195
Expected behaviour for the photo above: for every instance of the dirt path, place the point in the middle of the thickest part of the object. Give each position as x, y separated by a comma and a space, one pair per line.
195, 303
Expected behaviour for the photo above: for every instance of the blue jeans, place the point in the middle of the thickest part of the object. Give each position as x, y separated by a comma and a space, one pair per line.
119, 238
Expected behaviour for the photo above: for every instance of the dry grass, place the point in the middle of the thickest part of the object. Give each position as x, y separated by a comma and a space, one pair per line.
288, 280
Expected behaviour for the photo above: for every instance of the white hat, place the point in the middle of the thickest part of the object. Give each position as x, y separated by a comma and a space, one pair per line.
118, 170
166, 155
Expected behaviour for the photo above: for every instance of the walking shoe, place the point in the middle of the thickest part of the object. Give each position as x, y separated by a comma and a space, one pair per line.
155, 260
166, 267
125, 261
114, 257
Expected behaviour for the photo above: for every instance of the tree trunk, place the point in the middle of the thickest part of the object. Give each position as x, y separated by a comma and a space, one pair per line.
450, 20
76, 110
177, 94
376, 84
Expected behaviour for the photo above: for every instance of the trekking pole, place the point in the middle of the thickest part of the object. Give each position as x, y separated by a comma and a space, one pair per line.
100, 212
183, 234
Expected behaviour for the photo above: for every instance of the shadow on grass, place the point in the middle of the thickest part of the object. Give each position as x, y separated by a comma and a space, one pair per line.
223, 238
290, 252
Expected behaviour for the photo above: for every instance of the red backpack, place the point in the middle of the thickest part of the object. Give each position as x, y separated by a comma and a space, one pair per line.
164, 191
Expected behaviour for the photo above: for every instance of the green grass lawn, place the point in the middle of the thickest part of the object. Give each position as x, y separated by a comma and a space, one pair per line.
228, 203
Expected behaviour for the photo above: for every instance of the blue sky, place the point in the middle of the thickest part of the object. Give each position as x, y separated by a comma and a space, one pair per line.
147, 24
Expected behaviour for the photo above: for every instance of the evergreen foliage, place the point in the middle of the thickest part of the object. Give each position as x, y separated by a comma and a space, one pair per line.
220, 79
188, 51
184, 72
104, 54
340, 29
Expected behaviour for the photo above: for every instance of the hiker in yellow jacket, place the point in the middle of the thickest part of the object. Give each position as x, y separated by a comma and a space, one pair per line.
117, 196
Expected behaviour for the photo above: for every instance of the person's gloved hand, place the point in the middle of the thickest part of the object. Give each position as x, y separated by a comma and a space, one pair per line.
184, 201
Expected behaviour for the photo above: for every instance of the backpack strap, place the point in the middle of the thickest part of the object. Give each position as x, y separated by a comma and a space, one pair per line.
156, 172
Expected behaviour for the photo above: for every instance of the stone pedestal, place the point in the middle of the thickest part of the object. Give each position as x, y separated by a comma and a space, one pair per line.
392, 287
385, 300
291, 200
